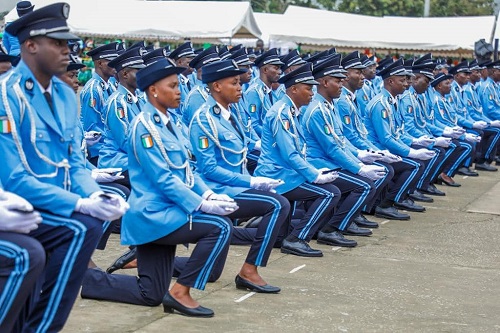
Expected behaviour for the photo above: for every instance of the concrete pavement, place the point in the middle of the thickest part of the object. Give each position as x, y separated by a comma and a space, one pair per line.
438, 272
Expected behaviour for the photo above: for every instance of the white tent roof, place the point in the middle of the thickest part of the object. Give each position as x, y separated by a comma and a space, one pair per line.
198, 20
319, 27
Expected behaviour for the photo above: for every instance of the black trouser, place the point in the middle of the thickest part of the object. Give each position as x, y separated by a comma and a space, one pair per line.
406, 175
456, 154
322, 200
69, 243
252, 159
430, 166
22, 260
381, 186
487, 148
357, 191
155, 264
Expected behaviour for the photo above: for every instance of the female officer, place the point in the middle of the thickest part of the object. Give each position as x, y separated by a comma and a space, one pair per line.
220, 146
171, 205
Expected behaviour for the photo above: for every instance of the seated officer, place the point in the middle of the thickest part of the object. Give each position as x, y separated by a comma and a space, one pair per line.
291, 62
487, 148
366, 93
241, 112
22, 258
220, 147
326, 148
259, 96
355, 131
120, 109
95, 93
283, 157
446, 116
199, 93
489, 95
385, 127
182, 55
43, 163
474, 107
170, 205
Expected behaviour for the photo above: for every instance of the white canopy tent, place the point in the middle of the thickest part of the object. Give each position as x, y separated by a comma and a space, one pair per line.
315, 27
202, 21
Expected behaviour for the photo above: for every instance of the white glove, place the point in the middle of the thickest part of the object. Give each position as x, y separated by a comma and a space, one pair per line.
495, 123
480, 124
469, 137
372, 172
423, 141
368, 156
218, 207
264, 183
92, 137
109, 208
257, 145
324, 178
454, 132
106, 175
220, 197
16, 214
388, 157
442, 142
421, 154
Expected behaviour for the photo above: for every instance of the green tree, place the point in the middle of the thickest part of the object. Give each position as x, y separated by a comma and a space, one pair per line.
416, 8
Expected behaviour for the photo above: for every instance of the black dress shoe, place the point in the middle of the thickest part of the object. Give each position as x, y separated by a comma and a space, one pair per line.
170, 304
467, 172
299, 248
335, 238
418, 196
409, 205
363, 222
452, 183
485, 167
355, 230
391, 213
432, 190
242, 283
124, 259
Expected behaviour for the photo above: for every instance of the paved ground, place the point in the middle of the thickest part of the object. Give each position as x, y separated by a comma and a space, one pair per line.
439, 272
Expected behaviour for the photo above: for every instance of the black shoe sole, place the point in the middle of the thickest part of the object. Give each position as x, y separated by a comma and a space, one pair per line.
430, 200
335, 244
409, 209
359, 235
367, 226
392, 217
287, 251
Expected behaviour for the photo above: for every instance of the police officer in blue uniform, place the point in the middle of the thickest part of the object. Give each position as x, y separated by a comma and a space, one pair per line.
326, 148
182, 55
170, 205
6, 60
258, 96
447, 118
199, 92
43, 163
385, 127
241, 112
283, 157
488, 92
291, 62
367, 92
355, 131
221, 147
22, 258
11, 43
120, 109
95, 94
487, 148
473, 104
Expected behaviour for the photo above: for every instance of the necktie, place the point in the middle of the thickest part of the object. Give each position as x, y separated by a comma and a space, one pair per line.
271, 97
233, 122
170, 128
48, 98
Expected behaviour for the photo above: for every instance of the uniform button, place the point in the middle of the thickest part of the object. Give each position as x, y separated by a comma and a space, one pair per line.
62, 139
40, 136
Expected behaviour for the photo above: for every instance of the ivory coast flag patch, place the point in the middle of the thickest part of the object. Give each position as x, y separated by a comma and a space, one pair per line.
253, 108
347, 120
384, 114
5, 127
203, 142
120, 113
327, 129
147, 141
410, 109
286, 124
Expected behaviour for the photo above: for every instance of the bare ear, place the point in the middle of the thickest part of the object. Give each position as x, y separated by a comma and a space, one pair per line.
31, 46
216, 87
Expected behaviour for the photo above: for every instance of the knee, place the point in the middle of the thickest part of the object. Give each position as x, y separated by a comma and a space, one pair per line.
283, 204
37, 257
